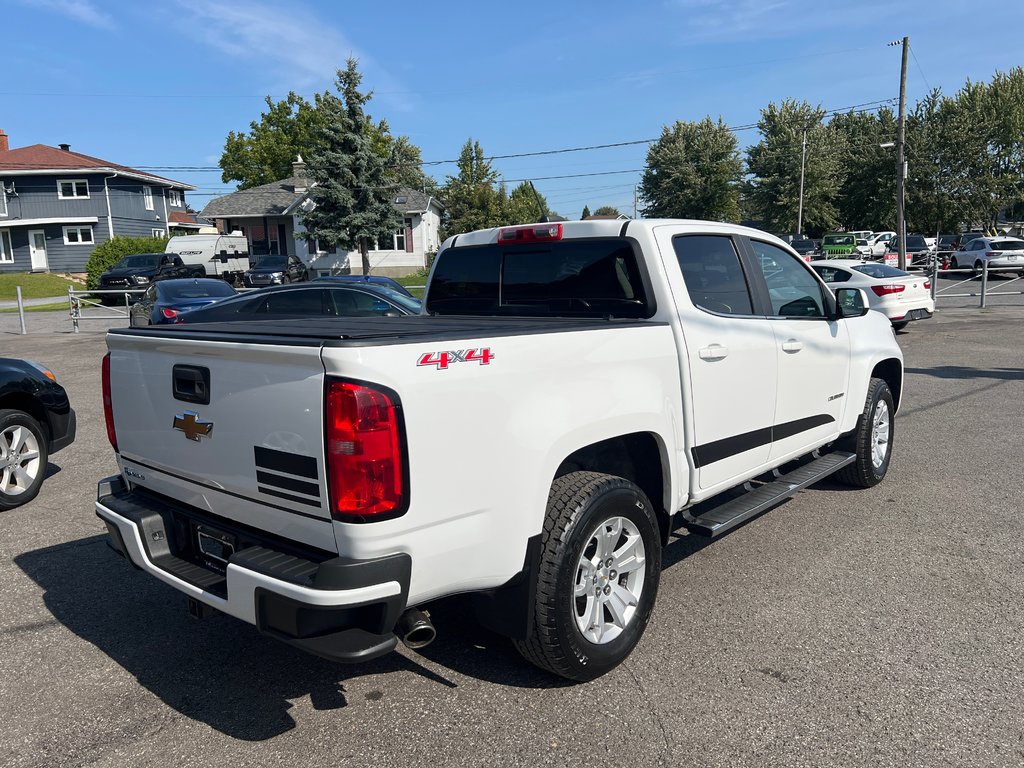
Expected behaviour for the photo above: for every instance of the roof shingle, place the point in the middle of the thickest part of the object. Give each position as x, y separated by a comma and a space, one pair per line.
41, 157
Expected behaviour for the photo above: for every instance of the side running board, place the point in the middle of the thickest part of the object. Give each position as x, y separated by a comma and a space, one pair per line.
727, 516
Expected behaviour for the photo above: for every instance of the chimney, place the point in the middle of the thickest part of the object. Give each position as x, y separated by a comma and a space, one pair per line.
4, 146
65, 147
299, 171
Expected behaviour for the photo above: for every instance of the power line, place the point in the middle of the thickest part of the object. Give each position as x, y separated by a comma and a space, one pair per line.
919, 67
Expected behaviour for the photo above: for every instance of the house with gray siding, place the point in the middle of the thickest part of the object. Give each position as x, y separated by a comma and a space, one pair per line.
57, 205
270, 216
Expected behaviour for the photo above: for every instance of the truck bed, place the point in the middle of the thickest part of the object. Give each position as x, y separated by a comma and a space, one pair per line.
376, 331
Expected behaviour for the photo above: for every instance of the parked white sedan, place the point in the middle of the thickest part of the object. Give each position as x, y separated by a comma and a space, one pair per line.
899, 295
1000, 253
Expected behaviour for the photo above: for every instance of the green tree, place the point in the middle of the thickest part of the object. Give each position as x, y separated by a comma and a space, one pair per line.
470, 196
774, 166
265, 154
867, 196
607, 210
105, 255
525, 206
693, 171
586, 212
352, 193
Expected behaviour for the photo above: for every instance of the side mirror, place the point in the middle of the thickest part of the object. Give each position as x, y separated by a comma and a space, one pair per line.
851, 302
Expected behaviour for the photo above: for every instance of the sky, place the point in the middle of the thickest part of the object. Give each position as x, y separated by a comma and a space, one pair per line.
160, 84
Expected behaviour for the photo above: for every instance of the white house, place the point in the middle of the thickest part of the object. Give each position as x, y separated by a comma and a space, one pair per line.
270, 217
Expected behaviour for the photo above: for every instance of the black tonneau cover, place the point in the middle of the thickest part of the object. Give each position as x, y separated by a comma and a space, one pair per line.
373, 331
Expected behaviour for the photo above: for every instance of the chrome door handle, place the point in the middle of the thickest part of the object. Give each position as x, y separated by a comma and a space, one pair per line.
713, 352
792, 345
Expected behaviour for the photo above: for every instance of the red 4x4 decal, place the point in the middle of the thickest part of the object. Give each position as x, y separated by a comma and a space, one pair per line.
441, 360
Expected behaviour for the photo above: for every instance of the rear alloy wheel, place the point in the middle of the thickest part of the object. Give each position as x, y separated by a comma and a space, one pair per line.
871, 441
23, 456
598, 576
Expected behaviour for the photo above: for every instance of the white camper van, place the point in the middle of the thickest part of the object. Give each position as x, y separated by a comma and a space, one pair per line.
225, 256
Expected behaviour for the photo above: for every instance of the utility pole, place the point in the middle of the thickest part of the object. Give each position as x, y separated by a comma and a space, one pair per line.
901, 162
800, 212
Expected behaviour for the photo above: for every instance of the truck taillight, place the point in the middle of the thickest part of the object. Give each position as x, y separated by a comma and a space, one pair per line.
108, 407
533, 233
884, 290
365, 461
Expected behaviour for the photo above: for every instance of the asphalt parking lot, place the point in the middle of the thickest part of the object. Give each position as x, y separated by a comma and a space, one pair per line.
843, 628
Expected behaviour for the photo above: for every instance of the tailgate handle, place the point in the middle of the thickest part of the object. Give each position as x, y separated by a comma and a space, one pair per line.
191, 384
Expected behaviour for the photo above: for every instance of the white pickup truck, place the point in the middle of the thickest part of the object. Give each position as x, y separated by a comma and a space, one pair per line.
571, 394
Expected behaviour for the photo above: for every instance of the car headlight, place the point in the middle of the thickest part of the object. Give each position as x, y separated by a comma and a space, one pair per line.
277, 277
141, 279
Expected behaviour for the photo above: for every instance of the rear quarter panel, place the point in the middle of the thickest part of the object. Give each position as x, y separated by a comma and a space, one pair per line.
485, 441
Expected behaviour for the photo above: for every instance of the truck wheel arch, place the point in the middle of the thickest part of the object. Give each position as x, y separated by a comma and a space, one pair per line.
891, 372
639, 457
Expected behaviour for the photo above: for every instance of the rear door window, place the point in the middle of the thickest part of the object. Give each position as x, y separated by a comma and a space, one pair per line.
711, 270
305, 302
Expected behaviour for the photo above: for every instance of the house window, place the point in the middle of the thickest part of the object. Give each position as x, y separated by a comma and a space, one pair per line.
174, 198
3, 199
6, 251
147, 196
157, 232
73, 189
78, 235
400, 239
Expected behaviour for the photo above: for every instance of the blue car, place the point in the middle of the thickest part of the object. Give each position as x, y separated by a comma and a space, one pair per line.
168, 300
368, 280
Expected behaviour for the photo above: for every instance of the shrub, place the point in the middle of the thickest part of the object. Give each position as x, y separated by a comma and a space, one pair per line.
106, 255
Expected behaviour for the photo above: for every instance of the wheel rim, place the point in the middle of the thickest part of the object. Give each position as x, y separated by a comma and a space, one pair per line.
19, 460
609, 580
880, 435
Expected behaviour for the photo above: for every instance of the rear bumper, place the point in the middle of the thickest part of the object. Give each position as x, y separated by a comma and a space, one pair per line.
337, 608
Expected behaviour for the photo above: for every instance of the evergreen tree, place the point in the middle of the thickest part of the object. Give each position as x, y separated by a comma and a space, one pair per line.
693, 172
352, 193
607, 210
470, 196
586, 212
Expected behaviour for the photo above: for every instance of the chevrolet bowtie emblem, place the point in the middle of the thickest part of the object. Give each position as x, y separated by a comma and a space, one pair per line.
190, 424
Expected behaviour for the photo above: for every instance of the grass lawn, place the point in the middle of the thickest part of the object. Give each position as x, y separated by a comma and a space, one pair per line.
410, 281
39, 285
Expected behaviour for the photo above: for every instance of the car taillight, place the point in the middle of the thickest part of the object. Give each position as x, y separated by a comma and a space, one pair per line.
108, 407
992, 254
365, 463
884, 290
534, 233
170, 314
927, 285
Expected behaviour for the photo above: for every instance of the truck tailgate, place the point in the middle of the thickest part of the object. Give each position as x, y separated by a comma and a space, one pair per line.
231, 428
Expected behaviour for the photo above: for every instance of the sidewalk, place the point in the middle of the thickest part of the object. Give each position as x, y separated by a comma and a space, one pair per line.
13, 303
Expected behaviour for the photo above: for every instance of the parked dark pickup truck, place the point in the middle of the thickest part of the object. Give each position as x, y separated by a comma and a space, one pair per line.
141, 269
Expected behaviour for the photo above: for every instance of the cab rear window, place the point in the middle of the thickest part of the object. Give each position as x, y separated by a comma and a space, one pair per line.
569, 278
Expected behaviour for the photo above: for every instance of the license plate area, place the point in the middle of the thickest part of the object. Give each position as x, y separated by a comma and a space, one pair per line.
214, 548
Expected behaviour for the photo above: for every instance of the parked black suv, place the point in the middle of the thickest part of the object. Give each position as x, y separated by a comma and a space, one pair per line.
275, 270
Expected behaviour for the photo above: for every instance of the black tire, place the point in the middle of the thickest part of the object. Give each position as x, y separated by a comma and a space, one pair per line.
954, 264
865, 472
13, 493
977, 267
899, 326
579, 504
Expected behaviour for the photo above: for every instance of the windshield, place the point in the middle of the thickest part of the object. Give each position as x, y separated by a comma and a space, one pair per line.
140, 261
916, 243
272, 262
947, 239
837, 240
399, 298
803, 245
1008, 245
881, 271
